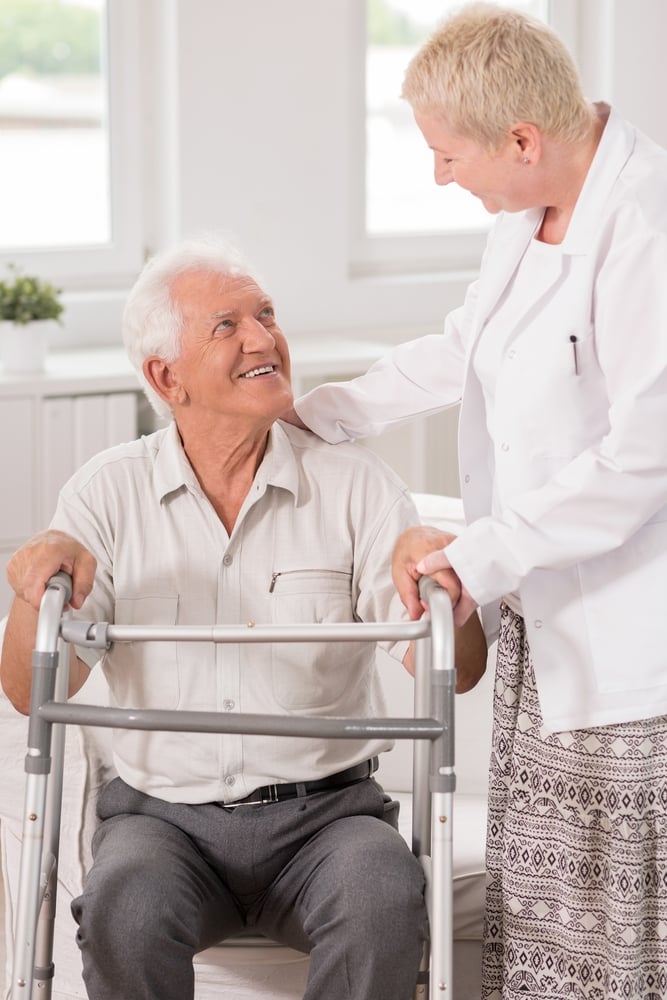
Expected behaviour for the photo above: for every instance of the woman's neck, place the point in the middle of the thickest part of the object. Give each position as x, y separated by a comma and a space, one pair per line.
567, 167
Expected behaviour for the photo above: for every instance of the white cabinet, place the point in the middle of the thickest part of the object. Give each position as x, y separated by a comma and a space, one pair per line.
85, 401
18, 468
52, 422
73, 429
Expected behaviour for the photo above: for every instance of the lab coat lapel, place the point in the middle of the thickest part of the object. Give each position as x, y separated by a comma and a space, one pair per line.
616, 145
507, 244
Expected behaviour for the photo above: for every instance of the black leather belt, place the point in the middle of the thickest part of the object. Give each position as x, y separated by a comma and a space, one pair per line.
275, 793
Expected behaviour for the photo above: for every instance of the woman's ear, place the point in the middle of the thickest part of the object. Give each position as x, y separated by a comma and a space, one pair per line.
528, 142
162, 378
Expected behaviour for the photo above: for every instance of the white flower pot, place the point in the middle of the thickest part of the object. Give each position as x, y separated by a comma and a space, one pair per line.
23, 347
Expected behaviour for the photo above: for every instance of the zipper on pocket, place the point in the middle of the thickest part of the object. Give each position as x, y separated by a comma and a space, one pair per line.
288, 572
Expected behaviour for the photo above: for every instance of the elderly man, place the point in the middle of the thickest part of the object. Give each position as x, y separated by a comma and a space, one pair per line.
227, 516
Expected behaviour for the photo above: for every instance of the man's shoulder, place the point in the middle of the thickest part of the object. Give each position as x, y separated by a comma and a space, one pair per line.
116, 461
349, 457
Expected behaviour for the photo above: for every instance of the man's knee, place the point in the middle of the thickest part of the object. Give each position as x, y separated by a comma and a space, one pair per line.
375, 880
388, 878
127, 891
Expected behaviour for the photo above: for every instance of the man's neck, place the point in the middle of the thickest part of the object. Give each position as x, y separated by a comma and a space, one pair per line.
225, 465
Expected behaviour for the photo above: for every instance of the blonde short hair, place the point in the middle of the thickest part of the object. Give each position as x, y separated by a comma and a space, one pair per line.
486, 68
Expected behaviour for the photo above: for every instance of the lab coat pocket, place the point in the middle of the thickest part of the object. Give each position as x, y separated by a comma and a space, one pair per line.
148, 676
574, 400
312, 674
624, 603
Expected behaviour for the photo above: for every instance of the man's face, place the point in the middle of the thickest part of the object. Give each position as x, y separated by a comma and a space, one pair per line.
234, 359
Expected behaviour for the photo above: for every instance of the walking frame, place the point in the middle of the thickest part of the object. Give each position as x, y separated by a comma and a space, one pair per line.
432, 729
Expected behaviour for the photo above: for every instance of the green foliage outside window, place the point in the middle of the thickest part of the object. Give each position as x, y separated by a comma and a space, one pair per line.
388, 26
48, 36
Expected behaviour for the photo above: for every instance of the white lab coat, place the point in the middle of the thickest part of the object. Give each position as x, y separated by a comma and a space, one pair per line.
579, 457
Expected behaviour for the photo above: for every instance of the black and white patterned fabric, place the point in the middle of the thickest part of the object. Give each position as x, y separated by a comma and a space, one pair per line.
576, 851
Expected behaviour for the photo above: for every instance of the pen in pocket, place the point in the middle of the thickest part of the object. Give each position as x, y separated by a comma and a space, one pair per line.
575, 357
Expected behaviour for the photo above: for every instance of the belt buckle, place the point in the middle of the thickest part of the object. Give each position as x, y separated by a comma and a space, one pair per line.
269, 794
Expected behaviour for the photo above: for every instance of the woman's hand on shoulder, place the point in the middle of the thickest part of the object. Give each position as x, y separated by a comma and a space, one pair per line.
292, 417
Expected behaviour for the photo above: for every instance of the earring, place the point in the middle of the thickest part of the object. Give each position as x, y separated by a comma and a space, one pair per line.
525, 160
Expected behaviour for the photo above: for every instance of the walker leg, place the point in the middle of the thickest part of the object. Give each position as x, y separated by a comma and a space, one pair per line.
37, 873
422, 987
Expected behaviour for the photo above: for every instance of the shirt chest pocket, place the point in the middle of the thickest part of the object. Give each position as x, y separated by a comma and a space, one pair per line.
314, 674
311, 595
145, 674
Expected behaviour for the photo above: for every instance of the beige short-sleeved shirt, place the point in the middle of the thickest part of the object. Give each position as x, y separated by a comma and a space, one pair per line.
312, 542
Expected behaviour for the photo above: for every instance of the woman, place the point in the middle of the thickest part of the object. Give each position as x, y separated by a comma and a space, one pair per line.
559, 355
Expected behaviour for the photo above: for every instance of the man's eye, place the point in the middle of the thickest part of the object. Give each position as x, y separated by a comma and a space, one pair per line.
225, 325
268, 314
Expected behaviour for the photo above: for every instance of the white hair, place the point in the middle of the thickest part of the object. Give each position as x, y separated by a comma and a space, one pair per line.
152, 321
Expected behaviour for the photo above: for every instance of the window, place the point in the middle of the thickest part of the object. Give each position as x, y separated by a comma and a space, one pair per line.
53, 109
68, 207
403, 219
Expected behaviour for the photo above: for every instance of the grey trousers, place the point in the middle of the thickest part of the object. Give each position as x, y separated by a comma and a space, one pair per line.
328, 874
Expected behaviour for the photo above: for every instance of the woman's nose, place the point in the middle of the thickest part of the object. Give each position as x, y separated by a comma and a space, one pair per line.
442, 174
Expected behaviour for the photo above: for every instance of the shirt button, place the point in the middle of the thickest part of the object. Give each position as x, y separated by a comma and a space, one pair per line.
230, 780
466, 479
228, 704
511, 354
227, 560
538, 623
504, 446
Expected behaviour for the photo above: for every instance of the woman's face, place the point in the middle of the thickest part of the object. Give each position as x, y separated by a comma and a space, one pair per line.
498, 179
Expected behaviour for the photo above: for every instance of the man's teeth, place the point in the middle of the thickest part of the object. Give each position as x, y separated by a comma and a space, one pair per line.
258, 371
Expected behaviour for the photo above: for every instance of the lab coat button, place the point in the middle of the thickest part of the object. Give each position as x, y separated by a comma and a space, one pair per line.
466, 479
504, 446
511, 354
538, 623
228, 704
227, 560
230, 780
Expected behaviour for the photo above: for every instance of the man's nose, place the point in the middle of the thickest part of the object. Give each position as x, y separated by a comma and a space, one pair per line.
256, 336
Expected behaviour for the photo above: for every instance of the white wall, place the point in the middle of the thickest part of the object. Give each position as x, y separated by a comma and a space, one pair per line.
264, 125
622, 45
250, 123
261, 139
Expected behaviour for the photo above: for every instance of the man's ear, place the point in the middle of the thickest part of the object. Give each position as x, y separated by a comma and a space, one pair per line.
528, 140
162, 378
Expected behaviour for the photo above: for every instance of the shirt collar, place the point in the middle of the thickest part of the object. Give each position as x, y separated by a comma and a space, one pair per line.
173, 470
615, 147
279, 466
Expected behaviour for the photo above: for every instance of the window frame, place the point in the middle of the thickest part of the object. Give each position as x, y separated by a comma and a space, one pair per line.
415, 254
108, 265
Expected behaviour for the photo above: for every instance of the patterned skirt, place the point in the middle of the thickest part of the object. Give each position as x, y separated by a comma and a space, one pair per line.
576, 850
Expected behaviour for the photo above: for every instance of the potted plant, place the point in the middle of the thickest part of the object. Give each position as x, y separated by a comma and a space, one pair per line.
29, 310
